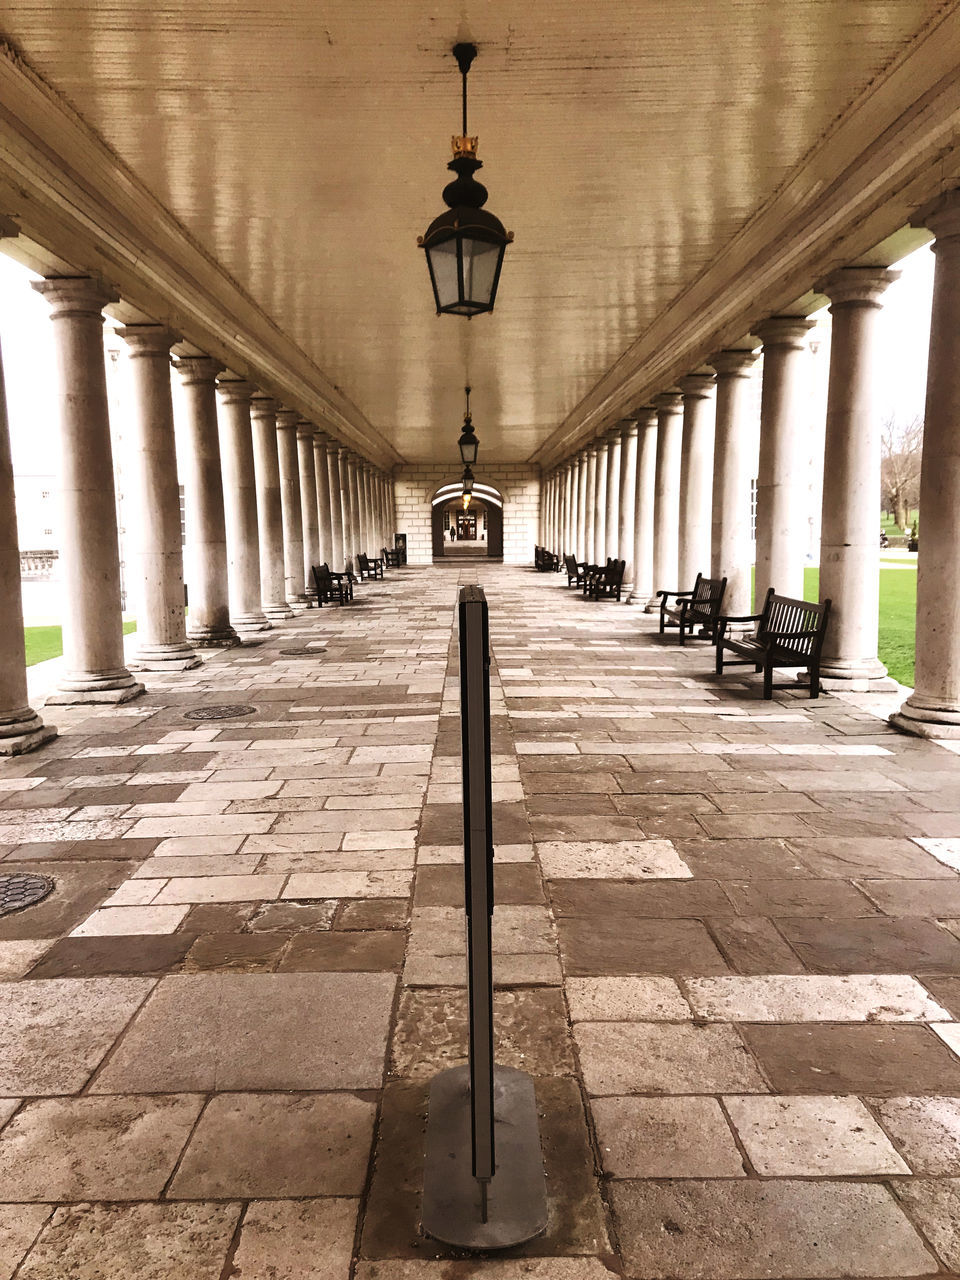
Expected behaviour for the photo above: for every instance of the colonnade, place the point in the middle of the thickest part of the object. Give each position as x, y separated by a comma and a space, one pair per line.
266, 496
686, 460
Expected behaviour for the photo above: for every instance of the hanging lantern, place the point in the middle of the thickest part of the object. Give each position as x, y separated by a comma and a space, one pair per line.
465, 245
468, 442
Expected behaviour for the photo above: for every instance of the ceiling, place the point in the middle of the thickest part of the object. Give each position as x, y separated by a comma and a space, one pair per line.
302, 146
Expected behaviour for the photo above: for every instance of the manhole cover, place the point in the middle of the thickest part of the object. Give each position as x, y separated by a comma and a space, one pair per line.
302, 653
219, 713
22, 890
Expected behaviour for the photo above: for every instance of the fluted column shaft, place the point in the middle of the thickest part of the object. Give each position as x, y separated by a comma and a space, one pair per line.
208, 622
356, 510
849, 550
291, 511
266, 468
666, 515
933, 709
780, 479
324, 551
336, 507
590, 506
21, 729
646, 418
581, 547
346, 507
627, 505
603, 451
612, 514
93, 668
308, 503
154, 549
735, 456
240, 508
696, 478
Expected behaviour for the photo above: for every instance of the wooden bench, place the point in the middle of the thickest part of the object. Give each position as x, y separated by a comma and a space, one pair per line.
789, 633
390, 558
574, 570
369, 568
545, 561
699, 607
606, 585
331, 586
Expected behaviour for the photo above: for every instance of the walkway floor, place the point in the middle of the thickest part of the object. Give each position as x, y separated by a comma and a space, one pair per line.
728, 950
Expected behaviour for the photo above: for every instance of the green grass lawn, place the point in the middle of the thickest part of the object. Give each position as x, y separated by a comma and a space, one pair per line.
898, 608
47, 642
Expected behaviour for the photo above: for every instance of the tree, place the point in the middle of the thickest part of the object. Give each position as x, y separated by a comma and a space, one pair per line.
901, 445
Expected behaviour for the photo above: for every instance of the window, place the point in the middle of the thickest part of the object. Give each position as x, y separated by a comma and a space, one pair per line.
48, 533
45, 493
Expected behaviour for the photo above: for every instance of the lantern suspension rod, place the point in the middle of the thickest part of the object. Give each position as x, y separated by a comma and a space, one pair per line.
464, 54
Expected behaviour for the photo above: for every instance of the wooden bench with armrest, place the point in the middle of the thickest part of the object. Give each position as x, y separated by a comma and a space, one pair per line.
575, 571
330, 585
369, 567
789, 633
699, 607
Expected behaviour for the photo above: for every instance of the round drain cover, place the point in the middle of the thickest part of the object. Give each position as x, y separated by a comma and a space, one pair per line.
219, 713
22, 889
302, 653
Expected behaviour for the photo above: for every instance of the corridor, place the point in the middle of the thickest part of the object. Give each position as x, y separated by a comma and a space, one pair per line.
727, 942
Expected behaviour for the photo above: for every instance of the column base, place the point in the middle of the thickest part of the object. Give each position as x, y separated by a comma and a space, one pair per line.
866, 675
77, 691
213, 638
250, 624
925, 719
652, 605
298, 603
164, 657
277, 612
24, 731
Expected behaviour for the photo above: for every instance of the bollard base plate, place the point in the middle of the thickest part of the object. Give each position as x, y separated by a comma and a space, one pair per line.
516, 1195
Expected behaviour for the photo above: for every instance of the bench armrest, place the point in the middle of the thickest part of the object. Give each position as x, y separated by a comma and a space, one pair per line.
739, 617
678, 594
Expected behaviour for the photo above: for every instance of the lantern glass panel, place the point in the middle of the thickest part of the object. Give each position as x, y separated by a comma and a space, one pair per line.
480, 262
446, 274
468, 449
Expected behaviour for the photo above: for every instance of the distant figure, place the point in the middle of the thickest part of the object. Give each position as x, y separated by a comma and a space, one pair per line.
453, 534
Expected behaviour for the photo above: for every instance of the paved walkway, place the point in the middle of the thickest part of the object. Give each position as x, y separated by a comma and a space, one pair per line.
728, 950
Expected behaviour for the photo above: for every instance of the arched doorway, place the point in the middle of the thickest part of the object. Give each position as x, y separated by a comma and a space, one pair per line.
477, 531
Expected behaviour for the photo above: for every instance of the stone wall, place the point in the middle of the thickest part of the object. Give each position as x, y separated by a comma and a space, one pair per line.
519, 483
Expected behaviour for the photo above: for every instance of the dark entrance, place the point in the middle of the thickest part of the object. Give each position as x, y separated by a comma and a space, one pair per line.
478, 531
466, 526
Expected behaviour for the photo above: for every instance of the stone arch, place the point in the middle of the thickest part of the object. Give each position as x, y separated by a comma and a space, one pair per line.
485, 498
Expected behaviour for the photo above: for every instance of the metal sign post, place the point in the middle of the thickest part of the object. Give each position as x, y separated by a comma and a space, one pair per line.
483, 1185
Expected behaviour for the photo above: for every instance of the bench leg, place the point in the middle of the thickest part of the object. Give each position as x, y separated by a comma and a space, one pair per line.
815, 681
719, 660
767, 680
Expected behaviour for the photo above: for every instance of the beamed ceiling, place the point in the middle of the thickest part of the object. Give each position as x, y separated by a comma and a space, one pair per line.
671, 172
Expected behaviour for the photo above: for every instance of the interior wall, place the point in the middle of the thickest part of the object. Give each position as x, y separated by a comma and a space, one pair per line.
519, 483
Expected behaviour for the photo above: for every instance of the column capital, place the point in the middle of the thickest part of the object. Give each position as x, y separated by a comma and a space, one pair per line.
940, 215
857, 286
645, 415
321, 437
287, 419
733, 364
196, 370
235, 390
262, 405
671, 401
305, 430
148, 339
784, 331
697, 386
75, 295
602, 444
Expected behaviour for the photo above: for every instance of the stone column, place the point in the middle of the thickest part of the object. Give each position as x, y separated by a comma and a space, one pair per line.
93, 666
781, 477
574, 503
240, 508
582, 528
366, 509
154, 547
646, 418
696, 478
336, 507
266, 470
603, 452
666, 514
735, 455
323, 497
849, 547
933, 709
590, 505
21, 729
612, 517
356, 528
290, 508
627, 505
346, 508
308, 503
208, 622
